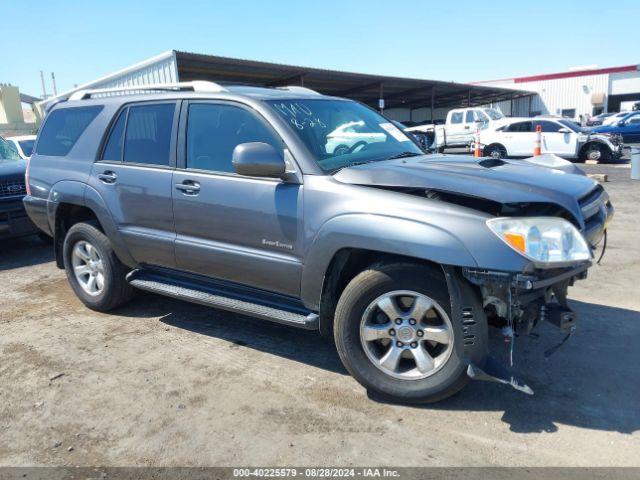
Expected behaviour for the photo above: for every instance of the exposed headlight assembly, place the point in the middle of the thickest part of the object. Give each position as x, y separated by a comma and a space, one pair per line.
545, 240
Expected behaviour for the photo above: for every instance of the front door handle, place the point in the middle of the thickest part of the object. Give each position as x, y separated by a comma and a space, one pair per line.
108, 176
188, 187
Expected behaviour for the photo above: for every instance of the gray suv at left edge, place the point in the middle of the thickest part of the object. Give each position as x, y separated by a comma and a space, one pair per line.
315, 212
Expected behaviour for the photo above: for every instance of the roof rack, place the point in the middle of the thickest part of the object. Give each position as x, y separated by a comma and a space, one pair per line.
298, 89
195, 86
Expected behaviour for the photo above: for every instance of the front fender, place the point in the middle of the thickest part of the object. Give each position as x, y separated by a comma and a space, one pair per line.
379, 233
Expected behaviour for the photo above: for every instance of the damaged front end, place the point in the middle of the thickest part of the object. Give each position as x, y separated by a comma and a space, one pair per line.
515, 303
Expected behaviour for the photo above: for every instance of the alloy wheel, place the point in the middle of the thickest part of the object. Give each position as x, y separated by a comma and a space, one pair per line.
406, 334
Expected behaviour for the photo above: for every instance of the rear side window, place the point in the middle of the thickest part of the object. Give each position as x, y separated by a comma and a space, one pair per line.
113, 149
520, 127
456, 117
148, 136
63, 128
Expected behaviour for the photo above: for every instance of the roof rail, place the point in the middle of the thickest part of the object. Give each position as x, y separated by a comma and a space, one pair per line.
298, 89
195, 86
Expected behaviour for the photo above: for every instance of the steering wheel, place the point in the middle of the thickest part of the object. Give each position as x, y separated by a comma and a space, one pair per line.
356, 146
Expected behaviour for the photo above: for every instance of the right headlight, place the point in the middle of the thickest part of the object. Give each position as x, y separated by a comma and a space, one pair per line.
546, 240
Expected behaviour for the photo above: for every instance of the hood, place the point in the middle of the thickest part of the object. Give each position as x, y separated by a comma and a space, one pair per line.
501, 181
12, 169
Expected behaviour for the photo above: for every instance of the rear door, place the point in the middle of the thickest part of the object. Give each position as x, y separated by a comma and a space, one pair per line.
230, 227
519, 139
563, 144
455, 128
134, 176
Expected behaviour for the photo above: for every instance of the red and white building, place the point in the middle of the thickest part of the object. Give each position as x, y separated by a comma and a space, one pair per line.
579, 92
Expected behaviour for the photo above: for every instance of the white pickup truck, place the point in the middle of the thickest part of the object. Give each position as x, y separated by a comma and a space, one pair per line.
460, 127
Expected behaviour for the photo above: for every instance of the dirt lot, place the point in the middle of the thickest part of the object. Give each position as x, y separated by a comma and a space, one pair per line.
161, 382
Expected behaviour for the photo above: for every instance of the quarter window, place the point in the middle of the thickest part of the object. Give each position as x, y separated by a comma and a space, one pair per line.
213, 131
456, 117
62, 129
148, 135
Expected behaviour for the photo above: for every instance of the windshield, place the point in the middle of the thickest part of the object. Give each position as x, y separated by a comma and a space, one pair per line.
341, 133
27, 146
7, 152
493, 113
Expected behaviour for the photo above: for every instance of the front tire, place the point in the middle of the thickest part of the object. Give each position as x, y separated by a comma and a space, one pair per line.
95, 273
420, 356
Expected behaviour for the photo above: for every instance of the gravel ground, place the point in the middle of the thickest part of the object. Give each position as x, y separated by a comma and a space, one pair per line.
166, 383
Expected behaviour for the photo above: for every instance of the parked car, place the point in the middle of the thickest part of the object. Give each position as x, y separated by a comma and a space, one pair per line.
229, 197
23, 145
628, 127
598, 119
460, 127
517, 136
616, 117
14, 221
350, 137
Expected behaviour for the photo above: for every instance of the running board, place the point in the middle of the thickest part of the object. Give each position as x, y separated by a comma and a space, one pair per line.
224, 298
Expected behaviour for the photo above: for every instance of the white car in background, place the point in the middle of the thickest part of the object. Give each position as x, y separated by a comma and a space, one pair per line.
351, 136
23, 145
614, 118
516, 137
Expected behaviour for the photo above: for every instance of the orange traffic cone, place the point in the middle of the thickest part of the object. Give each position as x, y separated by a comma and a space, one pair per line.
476, 151
537, 150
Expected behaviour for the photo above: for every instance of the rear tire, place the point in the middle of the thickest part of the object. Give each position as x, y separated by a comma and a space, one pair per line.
411, 380
95, 273
495, 151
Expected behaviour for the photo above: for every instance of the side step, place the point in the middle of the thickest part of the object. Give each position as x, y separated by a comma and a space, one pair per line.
226, 297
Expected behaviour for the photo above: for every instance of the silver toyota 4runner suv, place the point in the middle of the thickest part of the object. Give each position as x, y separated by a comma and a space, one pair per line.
315, 212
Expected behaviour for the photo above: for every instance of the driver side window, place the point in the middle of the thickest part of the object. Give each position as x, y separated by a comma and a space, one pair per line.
213, 131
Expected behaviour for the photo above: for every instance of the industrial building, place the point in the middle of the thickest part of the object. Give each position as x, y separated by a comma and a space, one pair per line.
574, 94
403, 99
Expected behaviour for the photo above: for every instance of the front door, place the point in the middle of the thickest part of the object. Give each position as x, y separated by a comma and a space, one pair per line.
564, 144
134, 178
229, 227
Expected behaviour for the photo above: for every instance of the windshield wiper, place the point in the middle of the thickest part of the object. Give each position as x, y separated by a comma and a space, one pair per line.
336, 170
404, 155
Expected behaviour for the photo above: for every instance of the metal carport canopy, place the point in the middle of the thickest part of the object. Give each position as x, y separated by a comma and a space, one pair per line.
398, 92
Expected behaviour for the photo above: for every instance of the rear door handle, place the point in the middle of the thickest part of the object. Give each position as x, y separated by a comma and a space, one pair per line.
108, 176
188, 187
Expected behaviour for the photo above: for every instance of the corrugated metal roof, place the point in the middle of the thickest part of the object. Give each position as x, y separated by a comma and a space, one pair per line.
173, 66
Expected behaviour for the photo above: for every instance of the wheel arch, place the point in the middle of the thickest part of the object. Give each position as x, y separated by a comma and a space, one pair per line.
346, 264
594, 141
69, 208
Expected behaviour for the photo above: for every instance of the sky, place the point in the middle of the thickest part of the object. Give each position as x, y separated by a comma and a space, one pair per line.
457, 40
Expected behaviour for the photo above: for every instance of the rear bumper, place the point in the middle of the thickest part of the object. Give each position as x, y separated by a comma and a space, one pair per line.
37, 209
14, 221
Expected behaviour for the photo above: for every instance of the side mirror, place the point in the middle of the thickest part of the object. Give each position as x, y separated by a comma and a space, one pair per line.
621, 123
257, 159
564, 130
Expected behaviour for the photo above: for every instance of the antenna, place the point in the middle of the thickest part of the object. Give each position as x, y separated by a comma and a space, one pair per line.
53, 80
44, 89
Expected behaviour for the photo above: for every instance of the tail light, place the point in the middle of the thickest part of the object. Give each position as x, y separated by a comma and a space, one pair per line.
26, 178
